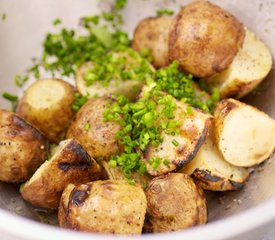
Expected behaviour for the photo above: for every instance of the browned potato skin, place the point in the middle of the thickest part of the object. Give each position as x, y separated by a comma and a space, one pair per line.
109, 206
100, 139
71, 164
53, 120
153, 33
174, 202
204, 38
23, 148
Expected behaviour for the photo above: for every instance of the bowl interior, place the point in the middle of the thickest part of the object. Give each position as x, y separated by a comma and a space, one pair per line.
21, 35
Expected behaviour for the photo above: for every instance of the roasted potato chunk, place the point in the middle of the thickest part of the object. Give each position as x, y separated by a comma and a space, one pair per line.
115, 173
250, 66
176, 151
245, 136
47, 105
174, 202
152, 34
108, 206
97, 136
23, 148
117, 86
70, 164
204, 38
212, 172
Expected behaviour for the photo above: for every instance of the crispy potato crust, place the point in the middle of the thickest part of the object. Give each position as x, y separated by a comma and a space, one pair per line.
70, 164
108, 206
23, 148
174, 202
204, 38
153, 33
99, 138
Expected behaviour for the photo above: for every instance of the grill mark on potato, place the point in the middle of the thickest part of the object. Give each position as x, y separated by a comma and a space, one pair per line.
79, 195
227, 107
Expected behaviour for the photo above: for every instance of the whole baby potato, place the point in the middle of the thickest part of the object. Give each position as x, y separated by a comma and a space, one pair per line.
47, 105
22, 148
204, 38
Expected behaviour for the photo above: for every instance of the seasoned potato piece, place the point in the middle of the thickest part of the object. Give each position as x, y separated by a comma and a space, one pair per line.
204, 38
250, 66
115, 173
70, 164
174, 202
153, 33
22, 148
176, 151
92, 132
109, 206
117, 86
245, 135
212, 172
47, 105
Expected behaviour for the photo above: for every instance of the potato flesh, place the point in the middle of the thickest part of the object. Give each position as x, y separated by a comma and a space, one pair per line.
212, 172
153, 33
250, 66
174, 202
109, 206
245, 135
70, 164
47, 104
192, 134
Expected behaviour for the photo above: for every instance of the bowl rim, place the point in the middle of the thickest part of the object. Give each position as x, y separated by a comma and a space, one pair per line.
243, 222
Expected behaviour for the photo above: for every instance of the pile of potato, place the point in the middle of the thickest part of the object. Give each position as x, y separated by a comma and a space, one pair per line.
214, 151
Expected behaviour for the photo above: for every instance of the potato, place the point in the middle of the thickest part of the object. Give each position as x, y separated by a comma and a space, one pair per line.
245, 136
22, 148
153, 33
173, 156
250, 66
115, 173
92, 132
47, 105
70, 164
117, 86
174, 202
204, 38
212, 172
108, 206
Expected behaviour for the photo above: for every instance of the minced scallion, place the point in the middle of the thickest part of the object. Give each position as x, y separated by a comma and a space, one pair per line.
79, 101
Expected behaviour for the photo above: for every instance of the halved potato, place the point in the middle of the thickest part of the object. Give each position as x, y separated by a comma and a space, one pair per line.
70, 164
177, 150
97, 136
175, 202
115, 173
204, 38
245, 136
108, 206
153, 33
23, 148
250, 66
47, 104
116, 86
212, 172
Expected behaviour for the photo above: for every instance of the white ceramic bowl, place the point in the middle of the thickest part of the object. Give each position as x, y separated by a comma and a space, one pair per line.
248, 214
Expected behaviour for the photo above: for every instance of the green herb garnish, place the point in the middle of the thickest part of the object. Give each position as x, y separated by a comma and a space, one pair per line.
165, 12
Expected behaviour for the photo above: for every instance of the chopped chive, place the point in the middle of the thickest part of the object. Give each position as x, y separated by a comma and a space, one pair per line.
10, 97
87, 126
112, 163
175, 143
56, 21
165, 12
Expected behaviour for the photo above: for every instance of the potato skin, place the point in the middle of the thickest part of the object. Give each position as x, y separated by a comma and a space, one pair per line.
70, 164
99, 139
54, 116
204, 38
23, 148
174, 202
108, 206
153, 33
